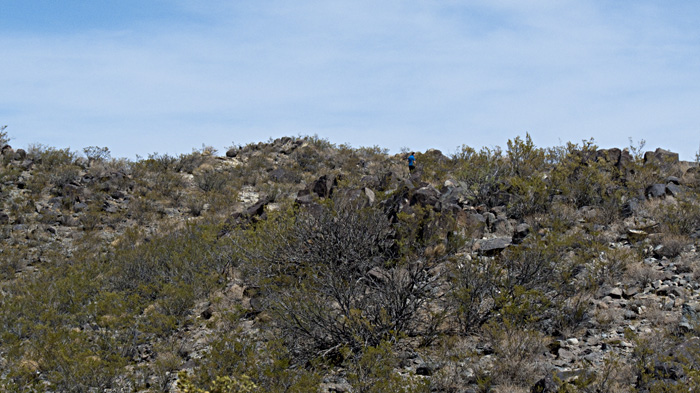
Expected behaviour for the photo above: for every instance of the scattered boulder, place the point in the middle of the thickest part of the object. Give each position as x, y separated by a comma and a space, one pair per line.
611, 156
257, 209
20, 155
502, 227
110, 207
655, 191
661, 157
304, 197
689, 318
425, 196
324, 186
454, 194
631, 207
370, 181
673, 180
388, 181
358, 197
520, 233
545, 385
673, 189
232, 152
492, 246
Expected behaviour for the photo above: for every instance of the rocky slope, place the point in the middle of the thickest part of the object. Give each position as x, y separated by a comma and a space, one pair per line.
527, 270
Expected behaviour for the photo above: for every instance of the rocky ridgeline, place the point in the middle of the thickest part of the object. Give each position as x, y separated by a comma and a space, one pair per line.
661, 294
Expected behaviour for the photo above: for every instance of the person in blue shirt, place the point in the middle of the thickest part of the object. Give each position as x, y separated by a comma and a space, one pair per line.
411, 162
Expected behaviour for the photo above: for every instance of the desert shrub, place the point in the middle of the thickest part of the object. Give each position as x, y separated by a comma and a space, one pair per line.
581, 179
242, 384
64, 175
671, 245
96, 153
523, 158
639, 175
48, 158
4, 138
373, 371
56, 167
516, 179
680, 217
12, 259
10, 173
189, 162
195, 204
307, 158
474, 288
482, 172
187, 256
238, 354
511, 286
539, 283
658, 369
330, 279
49, 311
157, 163
319, 143
528, 195
212, 180
73, 362
433, 167
519, 353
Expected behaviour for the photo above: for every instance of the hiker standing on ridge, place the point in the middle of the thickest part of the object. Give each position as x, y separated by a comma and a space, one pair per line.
411, 162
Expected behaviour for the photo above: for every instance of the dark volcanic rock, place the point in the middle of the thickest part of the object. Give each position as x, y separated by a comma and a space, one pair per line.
673, 189
323, 186
425, 196
232, 152
661, 157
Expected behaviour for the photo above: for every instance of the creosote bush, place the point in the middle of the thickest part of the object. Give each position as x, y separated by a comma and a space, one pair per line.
331, 280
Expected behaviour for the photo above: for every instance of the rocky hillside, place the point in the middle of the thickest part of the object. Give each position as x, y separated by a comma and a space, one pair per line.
296, 265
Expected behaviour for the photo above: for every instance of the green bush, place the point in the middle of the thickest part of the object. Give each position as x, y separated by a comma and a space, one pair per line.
373, 371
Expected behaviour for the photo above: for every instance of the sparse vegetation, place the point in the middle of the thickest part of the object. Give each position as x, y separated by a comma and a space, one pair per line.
295, 265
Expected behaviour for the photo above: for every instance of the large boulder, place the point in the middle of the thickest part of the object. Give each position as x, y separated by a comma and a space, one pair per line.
655, 191
358, 198
397, 202
7, 150
388, 181
454, 193
492, 246
232, 152
425, 196
611, 156
323, 186
254, 211
664, 160
661, 157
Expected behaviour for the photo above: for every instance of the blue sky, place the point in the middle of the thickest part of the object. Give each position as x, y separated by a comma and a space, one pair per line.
168, 76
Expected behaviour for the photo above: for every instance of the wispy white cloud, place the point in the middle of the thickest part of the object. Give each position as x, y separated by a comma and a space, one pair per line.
417, 74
